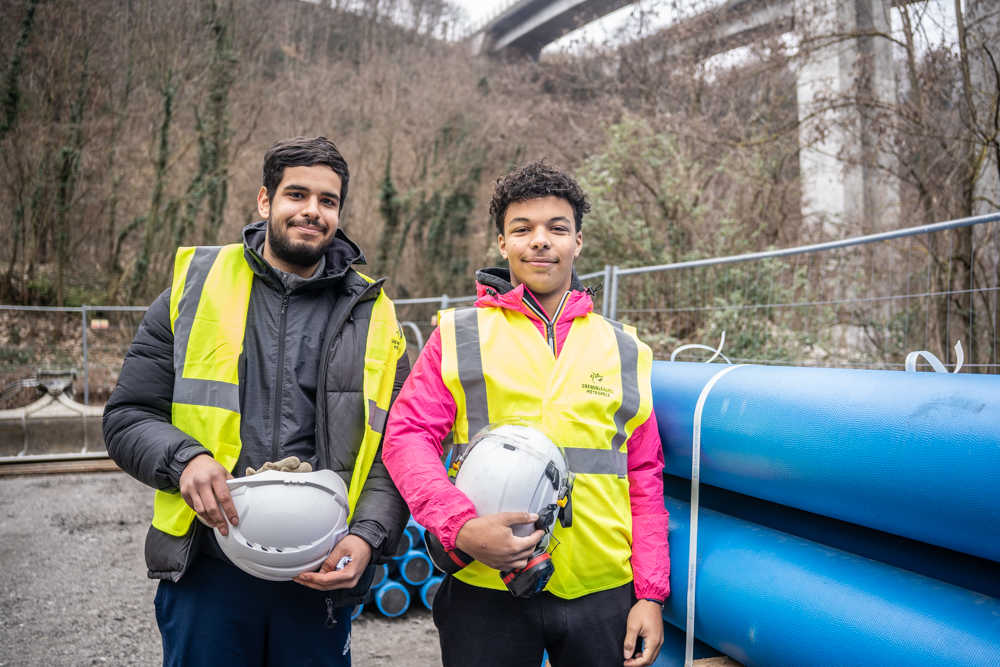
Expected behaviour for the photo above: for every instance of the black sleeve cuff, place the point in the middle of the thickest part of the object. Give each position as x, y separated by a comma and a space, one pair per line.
182, 457
371, 532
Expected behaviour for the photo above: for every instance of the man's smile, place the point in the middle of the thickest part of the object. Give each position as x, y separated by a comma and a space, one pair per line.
308, 228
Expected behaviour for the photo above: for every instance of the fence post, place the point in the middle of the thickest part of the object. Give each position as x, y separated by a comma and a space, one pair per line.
612, 312
86, 371
416, 332
444, 301
606, 290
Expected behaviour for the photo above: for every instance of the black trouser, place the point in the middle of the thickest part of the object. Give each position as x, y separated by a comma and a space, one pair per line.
485, 627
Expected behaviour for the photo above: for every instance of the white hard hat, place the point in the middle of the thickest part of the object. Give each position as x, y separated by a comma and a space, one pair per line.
289, 522
514, 468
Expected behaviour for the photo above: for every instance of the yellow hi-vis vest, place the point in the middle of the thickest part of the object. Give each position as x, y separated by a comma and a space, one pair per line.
589, 400
209, 300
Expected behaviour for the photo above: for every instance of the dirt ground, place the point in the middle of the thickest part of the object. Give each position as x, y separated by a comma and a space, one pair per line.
73, 586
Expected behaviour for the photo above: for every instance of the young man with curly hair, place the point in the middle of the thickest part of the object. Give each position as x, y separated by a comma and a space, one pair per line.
533, 349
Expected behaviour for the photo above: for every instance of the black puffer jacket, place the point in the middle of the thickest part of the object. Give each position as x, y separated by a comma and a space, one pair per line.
300, 394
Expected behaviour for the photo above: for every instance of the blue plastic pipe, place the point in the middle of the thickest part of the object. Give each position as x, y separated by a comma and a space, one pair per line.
767, 598
954, 567
381, 575
672, 650
392, 599
914, 454
415, 567
416, 532
404, 546
429, 590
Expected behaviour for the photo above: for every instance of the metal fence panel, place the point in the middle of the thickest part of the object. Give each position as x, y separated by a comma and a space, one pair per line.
862, 303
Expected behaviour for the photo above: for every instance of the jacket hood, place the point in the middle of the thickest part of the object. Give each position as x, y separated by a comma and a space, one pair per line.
339, 257
493, 289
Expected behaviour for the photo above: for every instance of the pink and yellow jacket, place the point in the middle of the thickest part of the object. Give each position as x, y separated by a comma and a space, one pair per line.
423, 415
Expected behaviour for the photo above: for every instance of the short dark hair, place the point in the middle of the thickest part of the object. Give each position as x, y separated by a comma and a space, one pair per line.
533, 181
303, 152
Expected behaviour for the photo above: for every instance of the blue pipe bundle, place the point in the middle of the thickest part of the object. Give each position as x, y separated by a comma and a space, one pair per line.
915, 454
978, 574
409, 574
768, 598
900, 467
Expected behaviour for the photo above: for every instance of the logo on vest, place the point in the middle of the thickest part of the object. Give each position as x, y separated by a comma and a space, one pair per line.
397, 340
595, 387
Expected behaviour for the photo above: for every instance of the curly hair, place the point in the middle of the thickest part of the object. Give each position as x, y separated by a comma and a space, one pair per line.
532, 181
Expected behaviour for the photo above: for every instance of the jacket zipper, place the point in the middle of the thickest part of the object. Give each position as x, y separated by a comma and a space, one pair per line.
550, 325
279, 379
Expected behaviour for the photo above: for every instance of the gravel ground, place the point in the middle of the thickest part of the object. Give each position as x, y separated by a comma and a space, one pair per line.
73, 586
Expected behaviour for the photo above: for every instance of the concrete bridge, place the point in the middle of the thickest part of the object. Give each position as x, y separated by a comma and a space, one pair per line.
527, 26
846, 179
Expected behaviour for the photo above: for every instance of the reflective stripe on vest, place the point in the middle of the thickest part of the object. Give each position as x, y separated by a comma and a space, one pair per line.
209, 300
589, 400
208, 340
384, 346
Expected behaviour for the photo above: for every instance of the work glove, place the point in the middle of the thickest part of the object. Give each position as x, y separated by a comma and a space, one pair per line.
287, 464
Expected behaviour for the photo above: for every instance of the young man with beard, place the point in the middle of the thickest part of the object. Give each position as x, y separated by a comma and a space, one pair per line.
532, 350
294, 354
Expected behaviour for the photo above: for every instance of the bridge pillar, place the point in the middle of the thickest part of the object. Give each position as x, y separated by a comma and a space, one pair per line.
844, 73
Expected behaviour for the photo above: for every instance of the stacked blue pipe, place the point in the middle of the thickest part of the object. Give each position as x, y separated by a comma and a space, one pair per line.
381, 575
392, 599
428, 590
904, 467
408, 577
415, 567
404, 545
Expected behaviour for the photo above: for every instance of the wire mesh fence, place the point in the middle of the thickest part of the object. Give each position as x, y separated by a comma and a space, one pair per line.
858, 303
86, 342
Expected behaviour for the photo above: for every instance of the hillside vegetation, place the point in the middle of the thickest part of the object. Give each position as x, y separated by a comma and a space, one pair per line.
128, 128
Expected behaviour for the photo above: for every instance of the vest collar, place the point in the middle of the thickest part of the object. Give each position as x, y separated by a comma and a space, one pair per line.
493, 290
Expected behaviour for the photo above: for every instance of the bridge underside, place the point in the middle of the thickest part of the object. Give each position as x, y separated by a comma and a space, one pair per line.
529, 26
846, 170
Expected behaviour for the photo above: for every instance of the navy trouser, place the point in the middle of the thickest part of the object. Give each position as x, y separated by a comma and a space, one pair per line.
219, 615
490, 628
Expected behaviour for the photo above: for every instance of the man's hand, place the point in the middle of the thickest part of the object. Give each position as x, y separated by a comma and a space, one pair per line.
203, 487
329, 577
490, 540
644, 620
